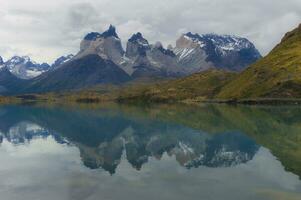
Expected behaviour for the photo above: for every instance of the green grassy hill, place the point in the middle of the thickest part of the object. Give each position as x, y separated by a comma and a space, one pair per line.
196, 87
278, 75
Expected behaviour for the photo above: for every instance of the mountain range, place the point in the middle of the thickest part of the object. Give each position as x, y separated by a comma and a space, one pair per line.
274, 77
102, 60
277, 75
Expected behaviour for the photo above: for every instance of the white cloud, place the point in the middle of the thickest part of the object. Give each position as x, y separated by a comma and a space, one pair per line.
46, 30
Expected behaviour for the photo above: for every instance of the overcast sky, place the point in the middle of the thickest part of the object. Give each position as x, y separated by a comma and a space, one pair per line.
45, 30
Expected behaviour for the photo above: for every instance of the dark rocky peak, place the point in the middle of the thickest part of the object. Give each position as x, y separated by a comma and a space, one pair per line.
92, 36
1, 60
139, 39
137, 46
192, 35
111, 32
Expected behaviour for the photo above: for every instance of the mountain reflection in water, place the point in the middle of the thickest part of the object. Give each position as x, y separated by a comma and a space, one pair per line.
103, 138
206, 137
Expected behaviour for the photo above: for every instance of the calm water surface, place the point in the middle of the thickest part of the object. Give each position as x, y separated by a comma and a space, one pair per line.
110, 152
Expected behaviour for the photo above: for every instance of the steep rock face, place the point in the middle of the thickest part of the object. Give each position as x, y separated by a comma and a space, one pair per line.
79, 73
137, 46
191, 55
25, 68
166, 60
140, 59
148, 60
200, 52
107, 45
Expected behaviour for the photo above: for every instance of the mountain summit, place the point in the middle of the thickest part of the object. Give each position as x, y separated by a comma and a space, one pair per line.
200, 52
24, 68
107, 45
137, 45
102, 60
111, 32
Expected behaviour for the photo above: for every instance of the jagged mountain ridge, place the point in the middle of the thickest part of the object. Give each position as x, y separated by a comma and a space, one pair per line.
201, 52
193, 53
140, 60
24, 68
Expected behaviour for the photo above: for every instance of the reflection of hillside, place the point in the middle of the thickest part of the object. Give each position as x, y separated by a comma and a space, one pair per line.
277, 128
103, 137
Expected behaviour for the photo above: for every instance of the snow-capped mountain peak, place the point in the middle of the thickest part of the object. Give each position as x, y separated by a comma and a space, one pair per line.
222, 51
24, 68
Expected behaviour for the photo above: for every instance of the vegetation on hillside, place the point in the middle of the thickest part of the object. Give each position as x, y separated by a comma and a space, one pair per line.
197, 87
278, 75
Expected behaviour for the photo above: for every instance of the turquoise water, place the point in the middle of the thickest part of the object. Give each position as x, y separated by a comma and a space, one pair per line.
160, 152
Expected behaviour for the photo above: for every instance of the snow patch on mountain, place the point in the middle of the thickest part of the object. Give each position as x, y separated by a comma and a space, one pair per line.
200, 52
25, 68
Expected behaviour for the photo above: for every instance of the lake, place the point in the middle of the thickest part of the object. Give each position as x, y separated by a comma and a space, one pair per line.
158, 152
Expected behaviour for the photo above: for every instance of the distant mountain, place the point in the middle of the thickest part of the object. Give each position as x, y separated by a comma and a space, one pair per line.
61, 60
201, 52
111, 64
24, 67
278, 75
83, 72
193, 53
106, 45
148, 60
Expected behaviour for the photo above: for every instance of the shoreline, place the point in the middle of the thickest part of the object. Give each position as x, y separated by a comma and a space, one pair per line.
36, 98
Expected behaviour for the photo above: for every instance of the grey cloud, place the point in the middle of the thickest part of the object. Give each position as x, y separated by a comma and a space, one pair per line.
49, 29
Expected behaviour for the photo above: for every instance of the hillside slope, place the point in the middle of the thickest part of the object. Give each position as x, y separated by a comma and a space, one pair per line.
81, 73
278, 75
199, 86
10, 84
